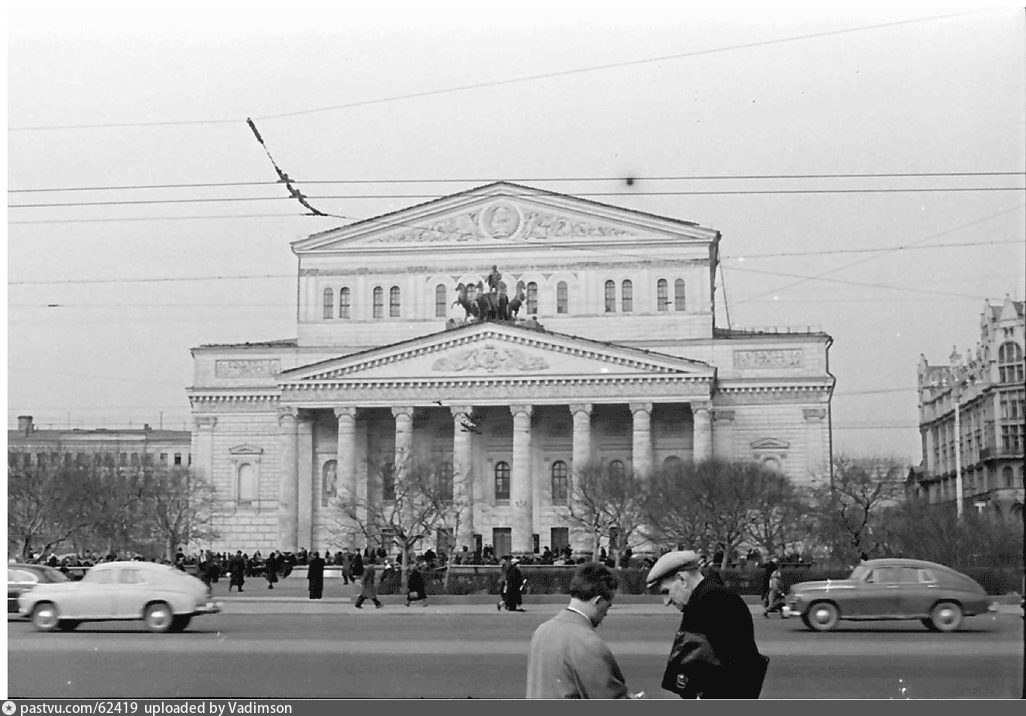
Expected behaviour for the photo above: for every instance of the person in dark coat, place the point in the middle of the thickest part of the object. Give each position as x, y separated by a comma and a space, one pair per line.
357, 564
736, 669
237, 569
514, 581
315, 576
271, 566
415, 585
369, 590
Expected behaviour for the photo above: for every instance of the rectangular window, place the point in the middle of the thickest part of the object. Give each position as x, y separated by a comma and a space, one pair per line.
502, 540
178, 458
163, 458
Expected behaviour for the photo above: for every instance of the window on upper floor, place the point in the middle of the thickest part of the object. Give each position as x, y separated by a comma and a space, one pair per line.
343, 302
329, 303
178, 458
562, 300
627, 296
531, 302
502, 481
662, 295
246, 483
388, 482
1007, 476
1010, 367
393, 302
379, 302
441, 301
445, 491
1012, 405
679, 303
559, 482
610, 297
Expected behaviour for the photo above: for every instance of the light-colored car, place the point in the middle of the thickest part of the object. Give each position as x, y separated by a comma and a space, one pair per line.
23, 577
880, 589
165, 598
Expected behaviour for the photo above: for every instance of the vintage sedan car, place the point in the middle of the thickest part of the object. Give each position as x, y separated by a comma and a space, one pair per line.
879, 589
23, 577
165, 598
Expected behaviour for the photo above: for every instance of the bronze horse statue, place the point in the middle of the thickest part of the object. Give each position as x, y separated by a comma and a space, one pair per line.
485, 305
463, 300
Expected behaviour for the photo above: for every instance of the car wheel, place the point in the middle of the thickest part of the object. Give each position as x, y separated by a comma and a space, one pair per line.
158, 617
44, 616
823, 616
181, 621
946, 616
67, 624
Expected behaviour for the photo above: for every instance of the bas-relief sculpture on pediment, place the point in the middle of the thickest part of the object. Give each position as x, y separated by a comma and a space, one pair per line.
501, 220
490, 358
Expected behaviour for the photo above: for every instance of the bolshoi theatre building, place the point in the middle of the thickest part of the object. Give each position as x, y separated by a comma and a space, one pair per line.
407, 343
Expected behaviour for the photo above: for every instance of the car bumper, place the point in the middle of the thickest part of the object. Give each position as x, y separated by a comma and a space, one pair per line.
209, 608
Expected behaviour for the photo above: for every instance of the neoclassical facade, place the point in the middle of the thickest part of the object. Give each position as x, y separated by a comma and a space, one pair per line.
614, 358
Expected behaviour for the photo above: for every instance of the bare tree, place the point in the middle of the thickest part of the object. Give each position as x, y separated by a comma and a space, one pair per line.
608, 504
180, 507
778, 515
47, 506
708, 502
850, 510
405, 504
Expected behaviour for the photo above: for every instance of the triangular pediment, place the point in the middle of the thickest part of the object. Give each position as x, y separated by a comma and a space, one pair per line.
770, 444
246, 449
496, 350
501, 213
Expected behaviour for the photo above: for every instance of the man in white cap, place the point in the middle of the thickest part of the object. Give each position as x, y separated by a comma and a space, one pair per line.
734, 669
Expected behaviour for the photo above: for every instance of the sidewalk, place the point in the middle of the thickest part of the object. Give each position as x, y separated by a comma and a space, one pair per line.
290, 595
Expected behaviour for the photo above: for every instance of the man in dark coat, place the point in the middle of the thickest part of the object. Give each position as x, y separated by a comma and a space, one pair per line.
514, 582
370, 590
315, 576
737, 668
415, 585
237, 569
271, 566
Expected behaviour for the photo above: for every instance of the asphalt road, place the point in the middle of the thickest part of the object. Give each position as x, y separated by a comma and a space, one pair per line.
454, 652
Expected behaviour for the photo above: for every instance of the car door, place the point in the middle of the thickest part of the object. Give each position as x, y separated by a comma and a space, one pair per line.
919, 590
877, 596
131, 594
91, 598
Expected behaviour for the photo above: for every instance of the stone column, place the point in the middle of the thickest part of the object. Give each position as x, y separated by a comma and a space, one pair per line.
582, 435
520, 479
642, 438
815, 444
346, 453
203, 448
703, 431
288, 481
402, 464
305, 481
463, 474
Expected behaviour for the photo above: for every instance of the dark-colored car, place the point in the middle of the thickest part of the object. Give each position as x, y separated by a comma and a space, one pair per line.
896, 588
23, 577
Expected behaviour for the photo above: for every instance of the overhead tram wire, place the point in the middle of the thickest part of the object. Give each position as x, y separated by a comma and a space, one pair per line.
514, 80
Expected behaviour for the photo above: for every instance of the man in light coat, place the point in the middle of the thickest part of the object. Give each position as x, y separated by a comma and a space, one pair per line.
567, 659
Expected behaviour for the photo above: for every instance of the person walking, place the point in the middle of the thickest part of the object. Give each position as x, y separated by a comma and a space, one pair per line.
271, 566
369, 590
566, 658
775, 594
513, 582
714, 654
315, 575
237, 570
415, 585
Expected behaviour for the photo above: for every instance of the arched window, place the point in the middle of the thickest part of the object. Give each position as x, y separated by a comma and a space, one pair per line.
329, 482
559, 482
379, 302
610, 297
679, 303
662, 297
616, 470
1008, 476
441, 301
343, 302
1010, 369
502, 481
627, 296
771, 463
532, 299
393, 302
247, 483
673, 465
562, 301
329, 303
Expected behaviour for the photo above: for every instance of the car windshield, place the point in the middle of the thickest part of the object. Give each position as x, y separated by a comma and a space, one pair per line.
858, 573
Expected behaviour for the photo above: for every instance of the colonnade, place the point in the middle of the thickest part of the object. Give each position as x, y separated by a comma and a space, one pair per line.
295, 495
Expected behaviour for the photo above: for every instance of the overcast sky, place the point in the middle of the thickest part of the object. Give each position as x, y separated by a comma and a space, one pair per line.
118, 121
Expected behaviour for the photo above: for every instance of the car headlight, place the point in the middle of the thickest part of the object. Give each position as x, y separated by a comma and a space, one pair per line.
795, 597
